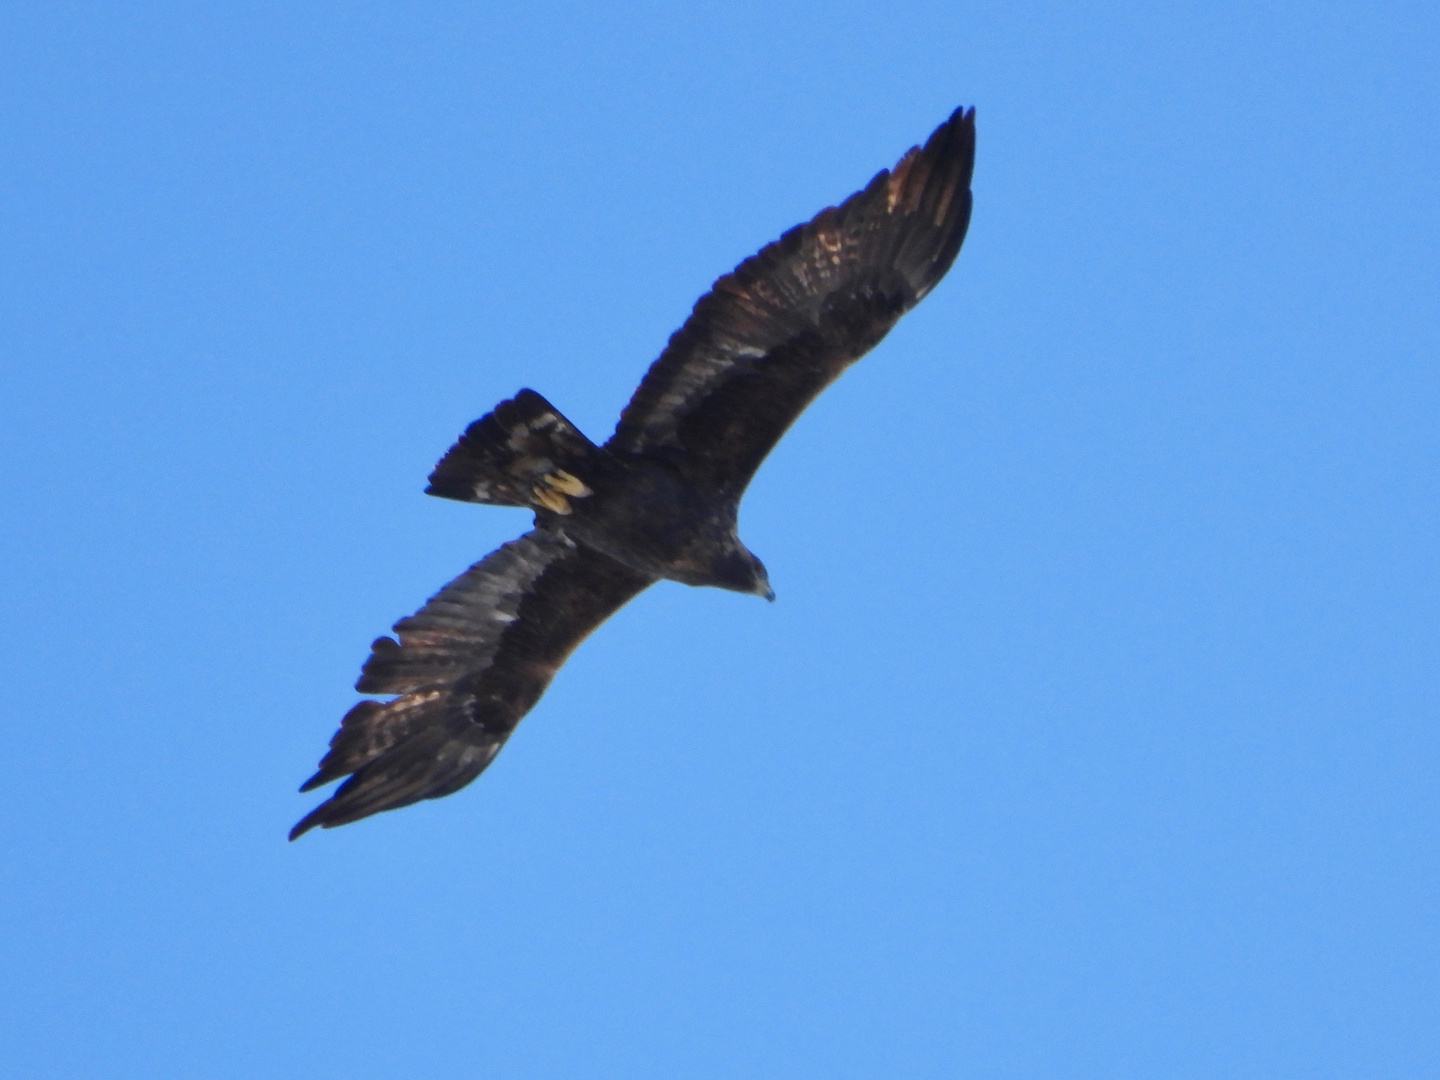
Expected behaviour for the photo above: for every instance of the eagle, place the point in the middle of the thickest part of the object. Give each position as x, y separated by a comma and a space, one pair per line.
658, 500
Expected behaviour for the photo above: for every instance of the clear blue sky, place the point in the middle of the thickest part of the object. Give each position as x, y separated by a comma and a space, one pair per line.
1094, 731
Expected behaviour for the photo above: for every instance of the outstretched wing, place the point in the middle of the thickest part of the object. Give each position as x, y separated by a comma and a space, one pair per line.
467, 667
771, 335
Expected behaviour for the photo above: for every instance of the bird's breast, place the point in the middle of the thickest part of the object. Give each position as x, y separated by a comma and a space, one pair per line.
647, 516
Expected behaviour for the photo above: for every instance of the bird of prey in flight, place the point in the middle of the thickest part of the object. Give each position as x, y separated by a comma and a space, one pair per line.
658, 500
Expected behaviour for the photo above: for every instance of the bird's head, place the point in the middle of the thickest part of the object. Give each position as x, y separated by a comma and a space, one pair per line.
741, 571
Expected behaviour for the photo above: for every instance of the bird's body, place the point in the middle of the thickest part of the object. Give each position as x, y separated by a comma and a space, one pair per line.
658, 500
643, 511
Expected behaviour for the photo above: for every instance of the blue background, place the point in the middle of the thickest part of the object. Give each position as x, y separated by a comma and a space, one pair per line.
1093, 733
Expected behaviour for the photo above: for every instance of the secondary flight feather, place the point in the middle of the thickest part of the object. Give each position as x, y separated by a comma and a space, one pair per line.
658, 500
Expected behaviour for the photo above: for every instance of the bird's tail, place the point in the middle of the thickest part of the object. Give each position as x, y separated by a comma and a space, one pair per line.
524, 453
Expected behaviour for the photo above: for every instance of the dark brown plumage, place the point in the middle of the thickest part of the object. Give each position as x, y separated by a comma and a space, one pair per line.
658, 500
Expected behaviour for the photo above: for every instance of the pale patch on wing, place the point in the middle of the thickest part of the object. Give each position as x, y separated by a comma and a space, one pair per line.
895, 183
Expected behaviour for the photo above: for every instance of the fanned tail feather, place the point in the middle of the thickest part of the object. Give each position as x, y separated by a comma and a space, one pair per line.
523, 453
